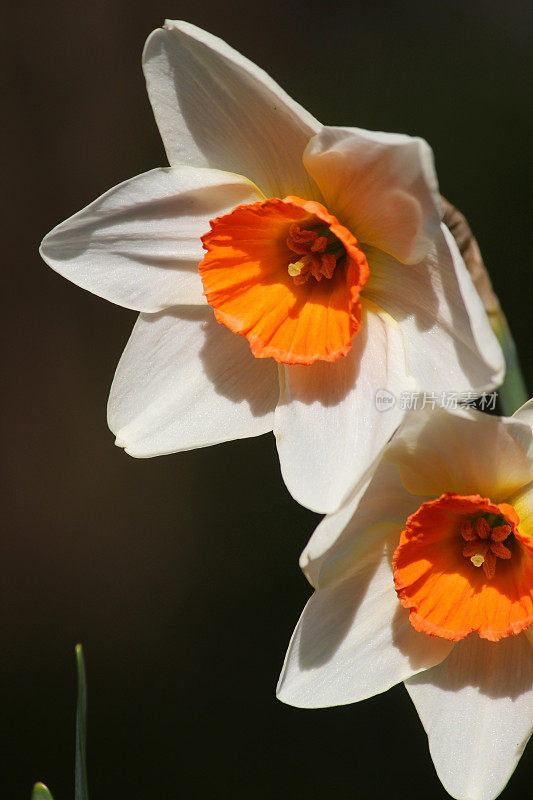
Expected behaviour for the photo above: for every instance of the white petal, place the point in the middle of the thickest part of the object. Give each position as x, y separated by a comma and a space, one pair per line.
463, 451
214, 108
327, 426
382, 186
380, 497
184, 381
525, 413
477, 710
354, 639
450, 344
484, 337
139, 244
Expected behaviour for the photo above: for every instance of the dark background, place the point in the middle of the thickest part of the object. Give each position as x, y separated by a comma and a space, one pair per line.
179, 574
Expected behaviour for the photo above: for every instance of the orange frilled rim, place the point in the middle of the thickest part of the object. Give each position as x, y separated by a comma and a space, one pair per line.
247, 282
436, 578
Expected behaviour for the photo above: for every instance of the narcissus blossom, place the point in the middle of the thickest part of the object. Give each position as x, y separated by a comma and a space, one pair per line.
284, 272
426, 576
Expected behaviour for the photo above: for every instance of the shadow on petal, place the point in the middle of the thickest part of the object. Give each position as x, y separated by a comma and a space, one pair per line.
230, 366
323, 382
417, 281
496, 669
328, 618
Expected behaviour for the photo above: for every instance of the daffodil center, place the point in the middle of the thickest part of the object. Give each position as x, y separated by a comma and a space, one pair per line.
449, 596
485, 536
319, 250
287, 275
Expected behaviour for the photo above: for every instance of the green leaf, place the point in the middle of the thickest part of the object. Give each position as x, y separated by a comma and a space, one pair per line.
81, 791
40, 792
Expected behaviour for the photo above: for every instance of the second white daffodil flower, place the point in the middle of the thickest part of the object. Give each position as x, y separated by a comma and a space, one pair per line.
426, 576
322, 247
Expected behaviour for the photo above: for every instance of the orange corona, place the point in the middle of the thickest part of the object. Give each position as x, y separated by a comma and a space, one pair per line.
288, 276
462, 565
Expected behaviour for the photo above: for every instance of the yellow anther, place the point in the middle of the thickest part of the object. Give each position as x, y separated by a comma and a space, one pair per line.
477, 560
296, 268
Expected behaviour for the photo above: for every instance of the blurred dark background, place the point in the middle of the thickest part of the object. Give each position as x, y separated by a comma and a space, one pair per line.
179, 575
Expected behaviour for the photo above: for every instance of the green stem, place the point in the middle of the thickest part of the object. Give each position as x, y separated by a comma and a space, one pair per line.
81, 789
512, 393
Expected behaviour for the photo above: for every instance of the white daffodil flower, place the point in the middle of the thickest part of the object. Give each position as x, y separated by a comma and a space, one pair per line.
426, 576
285, 272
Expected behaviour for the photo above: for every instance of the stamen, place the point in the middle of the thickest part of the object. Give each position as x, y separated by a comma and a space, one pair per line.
320, 250
301, 235
484, 537
482, 527
467, 531
500, 532
500, 550
319, 245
